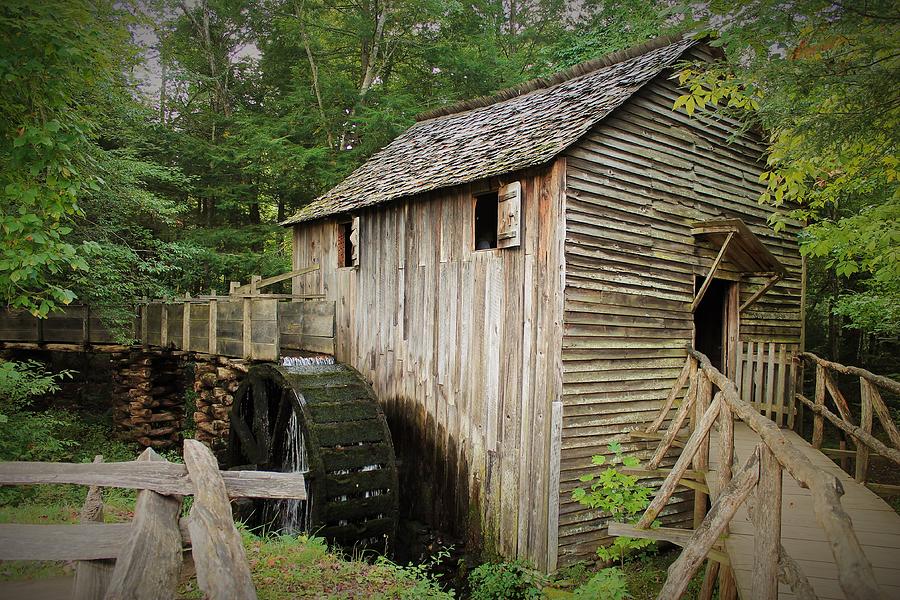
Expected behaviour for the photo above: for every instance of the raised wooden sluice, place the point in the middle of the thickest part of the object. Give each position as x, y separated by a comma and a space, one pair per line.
244, 324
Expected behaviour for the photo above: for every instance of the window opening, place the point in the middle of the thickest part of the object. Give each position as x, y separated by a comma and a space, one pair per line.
486, 221
345, 244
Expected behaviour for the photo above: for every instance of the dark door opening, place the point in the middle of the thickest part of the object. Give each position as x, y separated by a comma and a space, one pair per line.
711, 321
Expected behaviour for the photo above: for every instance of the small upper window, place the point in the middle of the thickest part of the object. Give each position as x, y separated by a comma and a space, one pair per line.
497, 219
486, 221
347, 243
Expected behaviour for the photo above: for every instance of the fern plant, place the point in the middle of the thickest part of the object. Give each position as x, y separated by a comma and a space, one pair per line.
619, 495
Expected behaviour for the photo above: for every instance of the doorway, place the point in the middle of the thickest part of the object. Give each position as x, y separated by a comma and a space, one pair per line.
715, 323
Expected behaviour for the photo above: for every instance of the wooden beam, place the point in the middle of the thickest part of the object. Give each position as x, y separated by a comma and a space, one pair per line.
705, 536
760, 293
83, 542
261, 283
162, 477
679, 537
712, 271
219, 557
767, 522
149, 561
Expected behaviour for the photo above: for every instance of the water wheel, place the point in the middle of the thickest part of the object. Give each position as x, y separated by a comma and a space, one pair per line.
324, 420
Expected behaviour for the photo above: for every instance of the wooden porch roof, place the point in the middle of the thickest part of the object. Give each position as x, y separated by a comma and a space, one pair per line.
746, 250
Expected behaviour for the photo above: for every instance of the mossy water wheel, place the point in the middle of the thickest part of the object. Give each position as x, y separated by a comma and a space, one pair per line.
351, 470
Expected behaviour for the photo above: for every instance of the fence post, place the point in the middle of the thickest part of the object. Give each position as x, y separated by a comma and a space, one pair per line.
92, 576
767, 522
818, 422
222, 569
148, 565
213, 321
865, 423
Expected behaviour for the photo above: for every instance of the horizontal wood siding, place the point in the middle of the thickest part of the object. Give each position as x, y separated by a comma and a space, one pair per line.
635, 183
462, 349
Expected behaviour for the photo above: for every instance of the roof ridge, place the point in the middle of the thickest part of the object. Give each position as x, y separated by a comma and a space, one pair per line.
573, 72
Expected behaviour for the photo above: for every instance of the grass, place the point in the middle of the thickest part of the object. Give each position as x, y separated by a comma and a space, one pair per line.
645, 575
285, 567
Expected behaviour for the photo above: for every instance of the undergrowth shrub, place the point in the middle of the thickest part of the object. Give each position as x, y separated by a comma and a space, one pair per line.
608, 584
506, 581
620, 496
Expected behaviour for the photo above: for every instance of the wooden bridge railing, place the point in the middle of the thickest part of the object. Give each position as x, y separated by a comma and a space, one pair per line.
142, 559
762, 471
871, 404
247, 323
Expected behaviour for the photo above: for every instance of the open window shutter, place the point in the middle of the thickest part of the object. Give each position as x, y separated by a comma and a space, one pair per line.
509, 208
354, 240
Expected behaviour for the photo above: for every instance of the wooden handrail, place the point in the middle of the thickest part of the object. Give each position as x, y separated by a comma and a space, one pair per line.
763, 470
855, 573
858, 433
879, 380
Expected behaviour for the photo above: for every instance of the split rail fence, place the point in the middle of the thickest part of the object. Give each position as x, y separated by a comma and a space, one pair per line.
762, 473
143, 559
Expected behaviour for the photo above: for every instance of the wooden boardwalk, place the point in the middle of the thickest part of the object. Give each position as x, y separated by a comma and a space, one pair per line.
876, 524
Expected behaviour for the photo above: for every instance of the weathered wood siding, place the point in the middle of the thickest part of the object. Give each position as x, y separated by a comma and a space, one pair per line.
635, 183
462, 349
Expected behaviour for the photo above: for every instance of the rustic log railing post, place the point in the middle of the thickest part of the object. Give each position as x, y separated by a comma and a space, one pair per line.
677, 422
684, 460
148, 565
92, 576
701, 458
673, 393
222, 569
695, 551
818, 423
881, 409
767, 522
186, 323
865, 423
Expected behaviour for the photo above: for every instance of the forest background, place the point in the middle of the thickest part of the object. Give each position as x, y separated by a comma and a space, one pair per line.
149, 147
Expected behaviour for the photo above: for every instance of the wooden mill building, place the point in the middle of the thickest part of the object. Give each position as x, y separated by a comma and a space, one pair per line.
519, 277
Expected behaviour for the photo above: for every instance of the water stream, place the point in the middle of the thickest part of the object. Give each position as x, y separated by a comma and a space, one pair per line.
293, 515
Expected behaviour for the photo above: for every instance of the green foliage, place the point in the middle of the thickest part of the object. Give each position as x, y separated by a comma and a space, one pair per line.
27, 435
417, 580
820, 78
56, 59
618, 495
514, 580
608, 584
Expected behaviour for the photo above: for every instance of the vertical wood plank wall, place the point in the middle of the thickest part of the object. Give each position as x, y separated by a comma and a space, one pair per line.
634, 185
462, 349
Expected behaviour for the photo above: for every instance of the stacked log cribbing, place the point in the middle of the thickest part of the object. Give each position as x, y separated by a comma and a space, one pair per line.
148, 401
216, 378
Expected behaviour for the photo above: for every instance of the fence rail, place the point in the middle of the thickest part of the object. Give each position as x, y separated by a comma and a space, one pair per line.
762, 473
142, 559
871, 405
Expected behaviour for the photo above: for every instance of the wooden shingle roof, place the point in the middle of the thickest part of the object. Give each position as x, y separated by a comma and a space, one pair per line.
521, 127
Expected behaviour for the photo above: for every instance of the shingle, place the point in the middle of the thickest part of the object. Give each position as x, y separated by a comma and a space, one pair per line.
533, 124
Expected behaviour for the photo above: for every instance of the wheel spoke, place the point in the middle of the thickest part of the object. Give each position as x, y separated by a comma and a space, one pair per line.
261, 420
